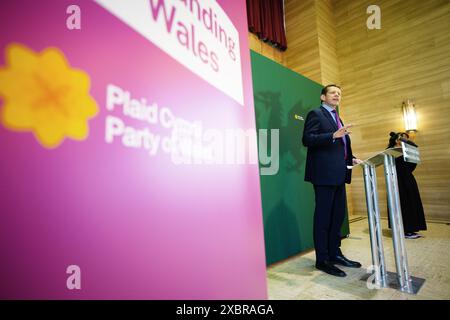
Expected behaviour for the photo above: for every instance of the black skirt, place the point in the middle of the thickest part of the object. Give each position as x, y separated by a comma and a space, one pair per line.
410, 202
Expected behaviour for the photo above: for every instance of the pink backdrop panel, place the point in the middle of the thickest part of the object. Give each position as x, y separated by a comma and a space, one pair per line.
137, 225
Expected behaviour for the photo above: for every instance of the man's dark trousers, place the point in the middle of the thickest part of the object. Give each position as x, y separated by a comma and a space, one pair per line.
328, 218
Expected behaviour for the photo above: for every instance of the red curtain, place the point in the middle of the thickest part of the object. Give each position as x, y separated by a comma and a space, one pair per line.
266, 20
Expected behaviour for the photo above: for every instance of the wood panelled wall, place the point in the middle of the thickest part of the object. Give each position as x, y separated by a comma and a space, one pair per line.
409, 57
302, 36
326, 26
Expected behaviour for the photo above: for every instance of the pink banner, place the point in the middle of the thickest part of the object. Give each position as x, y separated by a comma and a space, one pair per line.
112, 185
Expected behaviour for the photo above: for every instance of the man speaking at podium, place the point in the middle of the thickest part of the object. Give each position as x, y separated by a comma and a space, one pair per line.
329, 154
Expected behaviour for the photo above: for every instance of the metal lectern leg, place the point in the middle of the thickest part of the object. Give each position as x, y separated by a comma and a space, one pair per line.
395, 215
379, 232
370, 181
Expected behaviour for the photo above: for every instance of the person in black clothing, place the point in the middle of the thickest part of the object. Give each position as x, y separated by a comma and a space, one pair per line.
410, 202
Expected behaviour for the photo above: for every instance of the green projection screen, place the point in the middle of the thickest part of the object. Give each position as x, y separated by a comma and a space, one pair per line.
287, 200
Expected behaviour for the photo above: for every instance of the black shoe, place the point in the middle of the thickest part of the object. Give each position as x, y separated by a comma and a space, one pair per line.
412, 235
328, 267
343, 261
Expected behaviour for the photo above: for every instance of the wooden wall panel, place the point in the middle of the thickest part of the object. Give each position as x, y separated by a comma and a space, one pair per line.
326, 26
407, 58
302, 36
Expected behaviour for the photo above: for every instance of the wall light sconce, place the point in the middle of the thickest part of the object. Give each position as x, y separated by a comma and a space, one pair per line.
409, 116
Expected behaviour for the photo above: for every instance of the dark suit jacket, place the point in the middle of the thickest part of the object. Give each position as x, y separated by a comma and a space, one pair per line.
325, 163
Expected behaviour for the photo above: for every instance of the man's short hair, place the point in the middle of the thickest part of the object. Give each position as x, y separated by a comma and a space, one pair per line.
325, 90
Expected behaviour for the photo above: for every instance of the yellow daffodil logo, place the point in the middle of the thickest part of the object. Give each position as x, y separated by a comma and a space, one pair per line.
41, 93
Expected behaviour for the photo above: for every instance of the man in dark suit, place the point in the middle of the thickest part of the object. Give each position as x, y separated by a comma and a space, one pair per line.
329, 154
